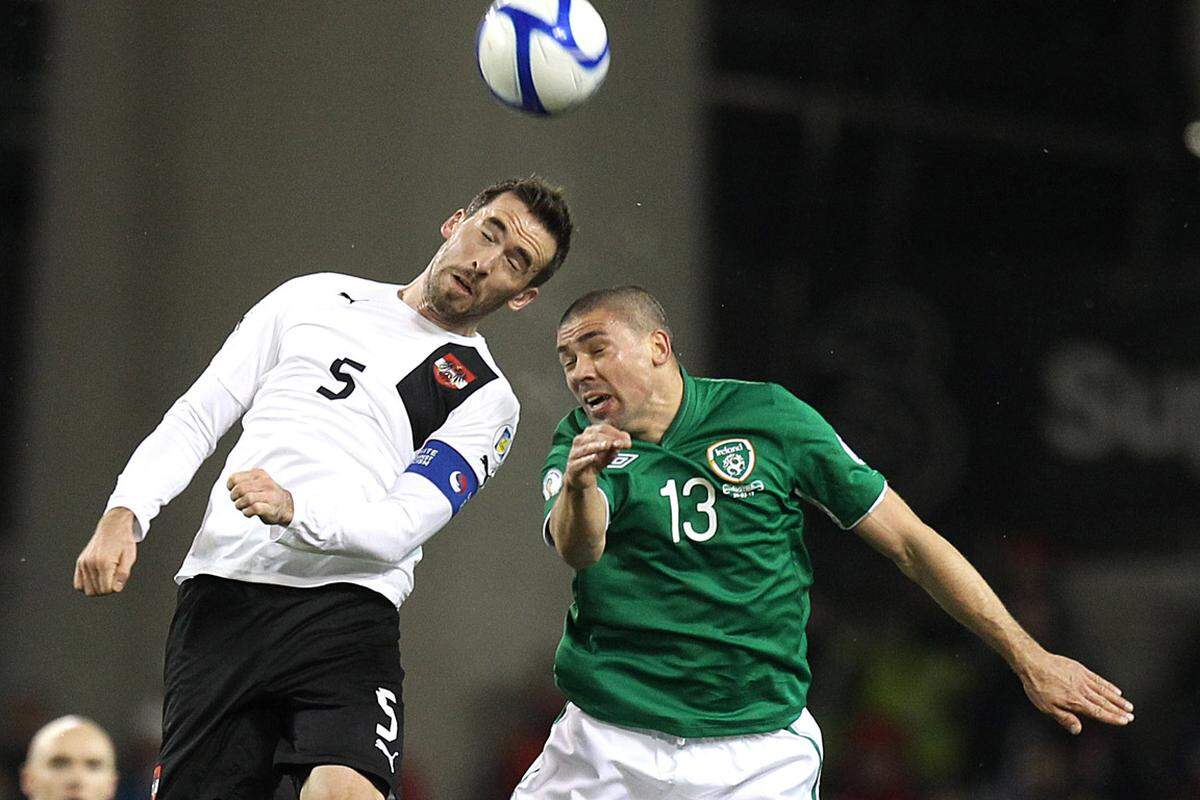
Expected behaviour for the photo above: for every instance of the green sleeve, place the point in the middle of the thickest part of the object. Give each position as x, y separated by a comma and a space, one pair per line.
827, 472
556, 461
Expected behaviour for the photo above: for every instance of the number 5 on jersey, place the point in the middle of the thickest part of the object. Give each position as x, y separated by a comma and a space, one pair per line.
337, 369
707, 506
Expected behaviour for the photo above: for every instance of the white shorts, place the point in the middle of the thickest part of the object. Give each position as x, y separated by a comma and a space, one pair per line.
586, 759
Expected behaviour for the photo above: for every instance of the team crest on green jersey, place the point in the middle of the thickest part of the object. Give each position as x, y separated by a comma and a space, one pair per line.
552, 483
732, 459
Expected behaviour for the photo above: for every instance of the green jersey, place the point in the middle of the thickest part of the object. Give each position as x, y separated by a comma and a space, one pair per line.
692, 621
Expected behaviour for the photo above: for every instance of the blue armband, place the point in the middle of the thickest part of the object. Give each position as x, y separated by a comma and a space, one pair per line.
445, 468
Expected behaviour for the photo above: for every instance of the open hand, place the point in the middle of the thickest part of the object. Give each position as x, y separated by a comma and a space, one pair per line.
1066, 689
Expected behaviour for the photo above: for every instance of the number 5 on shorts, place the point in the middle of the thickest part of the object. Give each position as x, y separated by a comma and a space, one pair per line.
387, 701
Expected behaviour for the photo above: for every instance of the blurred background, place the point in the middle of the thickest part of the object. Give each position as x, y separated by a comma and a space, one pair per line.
968, 233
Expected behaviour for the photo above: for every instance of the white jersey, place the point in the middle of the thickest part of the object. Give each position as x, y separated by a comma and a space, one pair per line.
380, 423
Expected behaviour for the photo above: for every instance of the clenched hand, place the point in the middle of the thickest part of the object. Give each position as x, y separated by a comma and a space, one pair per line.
106, 562
256, 494
592, 451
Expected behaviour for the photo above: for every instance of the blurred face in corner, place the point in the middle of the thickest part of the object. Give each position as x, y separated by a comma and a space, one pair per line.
75, 762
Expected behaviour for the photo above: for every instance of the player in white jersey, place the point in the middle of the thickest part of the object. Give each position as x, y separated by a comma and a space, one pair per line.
371, 412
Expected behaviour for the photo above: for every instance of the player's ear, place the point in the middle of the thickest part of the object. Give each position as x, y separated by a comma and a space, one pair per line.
660, 347
522, 298
452, 222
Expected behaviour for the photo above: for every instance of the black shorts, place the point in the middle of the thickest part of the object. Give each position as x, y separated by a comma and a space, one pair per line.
265, 682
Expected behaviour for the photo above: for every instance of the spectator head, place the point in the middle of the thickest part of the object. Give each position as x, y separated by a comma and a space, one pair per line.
71, 757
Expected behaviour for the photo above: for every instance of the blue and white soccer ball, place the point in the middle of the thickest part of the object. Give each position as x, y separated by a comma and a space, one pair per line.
542, 56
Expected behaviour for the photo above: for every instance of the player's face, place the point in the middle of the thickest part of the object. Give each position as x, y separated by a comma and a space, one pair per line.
609, 368
488, 260
77, 764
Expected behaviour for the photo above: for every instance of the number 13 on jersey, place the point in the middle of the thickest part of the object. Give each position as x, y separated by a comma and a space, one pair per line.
671, 491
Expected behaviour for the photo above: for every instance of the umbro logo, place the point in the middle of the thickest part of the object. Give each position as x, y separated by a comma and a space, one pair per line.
622, 460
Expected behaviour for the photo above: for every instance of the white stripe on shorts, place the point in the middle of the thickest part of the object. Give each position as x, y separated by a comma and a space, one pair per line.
586, 759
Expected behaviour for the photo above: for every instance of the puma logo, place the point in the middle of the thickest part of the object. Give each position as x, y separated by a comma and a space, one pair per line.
348, 297
391, 757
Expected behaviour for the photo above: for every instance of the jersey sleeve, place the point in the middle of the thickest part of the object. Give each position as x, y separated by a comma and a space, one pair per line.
253, 348
166, 461
452, 465
556, 464
826, 471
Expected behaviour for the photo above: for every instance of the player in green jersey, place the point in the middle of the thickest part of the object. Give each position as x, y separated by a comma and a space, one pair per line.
679, 502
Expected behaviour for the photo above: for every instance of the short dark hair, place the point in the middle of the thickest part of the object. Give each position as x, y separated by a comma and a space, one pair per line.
632, 303
545, 201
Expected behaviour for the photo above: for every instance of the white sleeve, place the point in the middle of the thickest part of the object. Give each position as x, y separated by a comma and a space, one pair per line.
165, 462
455, 462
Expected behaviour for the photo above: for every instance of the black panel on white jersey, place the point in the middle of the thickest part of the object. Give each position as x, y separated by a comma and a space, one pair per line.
440, 384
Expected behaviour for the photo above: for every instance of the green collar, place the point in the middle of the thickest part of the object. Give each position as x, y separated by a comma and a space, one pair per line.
687, 404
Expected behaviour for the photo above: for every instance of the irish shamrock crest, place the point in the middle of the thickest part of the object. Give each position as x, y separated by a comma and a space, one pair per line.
732, 459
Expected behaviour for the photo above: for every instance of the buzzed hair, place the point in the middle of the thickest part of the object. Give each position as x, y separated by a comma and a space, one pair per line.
633, 304
63, 724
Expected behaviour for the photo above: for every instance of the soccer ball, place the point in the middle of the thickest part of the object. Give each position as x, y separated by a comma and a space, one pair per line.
542, 56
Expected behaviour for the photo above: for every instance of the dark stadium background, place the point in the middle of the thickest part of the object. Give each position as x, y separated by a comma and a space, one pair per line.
966, 232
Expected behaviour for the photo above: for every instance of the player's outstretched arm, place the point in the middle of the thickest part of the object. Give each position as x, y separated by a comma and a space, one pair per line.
579, 518
106, 562
1056, 685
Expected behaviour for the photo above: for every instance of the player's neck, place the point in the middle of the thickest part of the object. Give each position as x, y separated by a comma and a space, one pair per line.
413, 296
662, 405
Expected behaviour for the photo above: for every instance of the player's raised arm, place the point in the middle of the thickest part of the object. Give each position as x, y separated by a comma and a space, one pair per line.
1056, 685
579, 518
